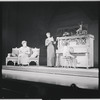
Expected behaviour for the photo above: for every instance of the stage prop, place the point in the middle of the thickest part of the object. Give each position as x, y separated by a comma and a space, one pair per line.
81, 29
34, 56
82, 47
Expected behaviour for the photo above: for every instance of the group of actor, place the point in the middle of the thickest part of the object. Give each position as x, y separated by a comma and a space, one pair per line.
24, 51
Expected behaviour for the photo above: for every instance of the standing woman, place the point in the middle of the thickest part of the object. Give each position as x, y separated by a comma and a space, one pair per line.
50, 49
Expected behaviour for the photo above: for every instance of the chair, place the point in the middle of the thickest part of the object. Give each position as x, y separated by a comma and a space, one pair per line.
13, 56
35, 56
69, 60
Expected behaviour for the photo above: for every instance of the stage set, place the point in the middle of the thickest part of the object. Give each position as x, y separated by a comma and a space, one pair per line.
67, 71
74, 40
74, 67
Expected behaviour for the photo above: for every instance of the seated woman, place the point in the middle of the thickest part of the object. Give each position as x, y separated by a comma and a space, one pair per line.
68, 56
24, 51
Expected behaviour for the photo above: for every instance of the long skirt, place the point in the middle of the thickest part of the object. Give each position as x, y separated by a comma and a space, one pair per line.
50, 55
23, 59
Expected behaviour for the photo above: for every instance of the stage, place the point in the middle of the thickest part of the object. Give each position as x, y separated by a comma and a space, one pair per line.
81, 77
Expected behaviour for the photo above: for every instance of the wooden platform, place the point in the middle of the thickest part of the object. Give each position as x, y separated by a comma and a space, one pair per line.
82, 78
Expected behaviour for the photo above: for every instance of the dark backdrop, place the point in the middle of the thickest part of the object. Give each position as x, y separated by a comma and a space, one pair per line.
31, 20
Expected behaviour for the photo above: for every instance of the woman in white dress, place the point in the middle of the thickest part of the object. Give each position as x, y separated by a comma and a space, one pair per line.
49, 42
66, 50
24, 51
69, 58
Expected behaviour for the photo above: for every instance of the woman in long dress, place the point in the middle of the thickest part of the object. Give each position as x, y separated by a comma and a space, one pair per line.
50, 50
24, 51
67, 50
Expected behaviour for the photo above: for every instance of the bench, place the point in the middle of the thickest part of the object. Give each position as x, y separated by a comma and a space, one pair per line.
34, 56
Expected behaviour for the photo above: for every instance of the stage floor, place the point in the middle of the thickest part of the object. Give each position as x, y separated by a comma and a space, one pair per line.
82, 78
92, 72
